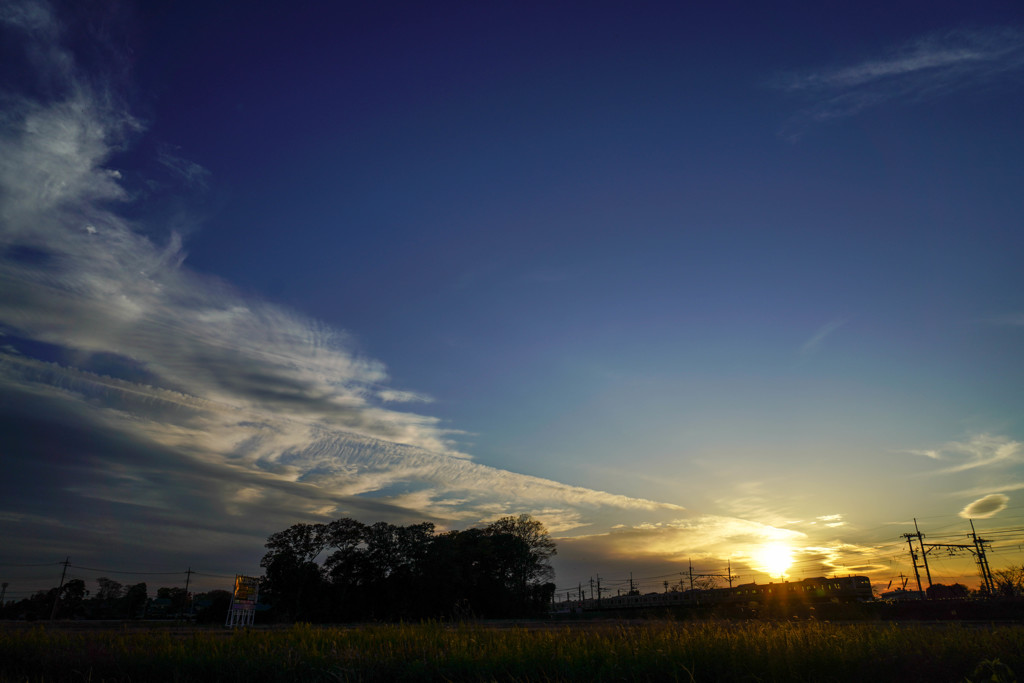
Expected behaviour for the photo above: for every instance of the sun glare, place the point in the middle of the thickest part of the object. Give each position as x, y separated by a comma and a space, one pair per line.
774, 559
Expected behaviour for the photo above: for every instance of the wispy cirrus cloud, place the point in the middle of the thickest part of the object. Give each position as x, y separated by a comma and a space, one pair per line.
926, 452
932, 66
398, 396
1007, 319
819, 336
78, 277
151, 397
189, 171
346, 468
1001, 487
984, 451
980, 451
829, 521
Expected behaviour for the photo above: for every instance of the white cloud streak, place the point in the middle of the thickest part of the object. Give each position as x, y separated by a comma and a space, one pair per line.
96, 286
812, 344
926, 452
267, 408
933, 66
190, 172
982, 451
1008, 319
996, 488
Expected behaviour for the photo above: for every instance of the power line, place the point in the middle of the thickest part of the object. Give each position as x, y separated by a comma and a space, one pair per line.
76, 572
119, 571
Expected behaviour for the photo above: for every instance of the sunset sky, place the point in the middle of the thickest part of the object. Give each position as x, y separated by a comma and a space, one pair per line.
719, 283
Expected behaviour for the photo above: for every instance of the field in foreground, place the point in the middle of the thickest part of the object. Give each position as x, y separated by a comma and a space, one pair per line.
656, 651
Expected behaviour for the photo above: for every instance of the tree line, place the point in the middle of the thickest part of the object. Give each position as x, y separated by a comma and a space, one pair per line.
114, 600
346, 571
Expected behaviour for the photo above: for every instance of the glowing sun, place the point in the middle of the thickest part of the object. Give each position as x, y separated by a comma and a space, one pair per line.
774, 559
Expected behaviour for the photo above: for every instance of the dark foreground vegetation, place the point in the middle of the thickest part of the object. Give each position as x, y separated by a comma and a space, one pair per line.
594, 652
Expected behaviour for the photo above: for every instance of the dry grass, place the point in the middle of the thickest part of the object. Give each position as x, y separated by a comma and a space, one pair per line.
654, 651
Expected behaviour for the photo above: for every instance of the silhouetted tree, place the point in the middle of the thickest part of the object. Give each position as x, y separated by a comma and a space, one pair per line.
387, 571
212, 607
294, 583
177, 596
1010, 581
532, 562
37, 606
479, 573
134, 600
705, 583
108, 589
303, 542
940, 591
345, 569
104, 604
72, 598
393, 565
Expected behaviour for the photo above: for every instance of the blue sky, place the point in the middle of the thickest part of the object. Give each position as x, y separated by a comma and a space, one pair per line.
680, 282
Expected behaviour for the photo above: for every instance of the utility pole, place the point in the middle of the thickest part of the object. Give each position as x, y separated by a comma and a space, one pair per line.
913, 560
727, 576
56, 598
599, 591
591, 587
976, 548
924, 553
986, 573
185, 605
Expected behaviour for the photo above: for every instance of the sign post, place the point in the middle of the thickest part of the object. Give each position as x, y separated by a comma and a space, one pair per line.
243, 601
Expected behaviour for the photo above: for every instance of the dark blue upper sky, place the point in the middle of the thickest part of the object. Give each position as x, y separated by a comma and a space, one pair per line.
487, 194
711, 256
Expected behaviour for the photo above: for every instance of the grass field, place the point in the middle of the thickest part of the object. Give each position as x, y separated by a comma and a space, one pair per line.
655, 651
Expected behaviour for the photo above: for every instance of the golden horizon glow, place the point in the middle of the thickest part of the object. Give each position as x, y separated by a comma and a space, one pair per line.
773, 559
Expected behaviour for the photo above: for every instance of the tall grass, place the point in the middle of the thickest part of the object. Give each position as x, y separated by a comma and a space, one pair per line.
655, 651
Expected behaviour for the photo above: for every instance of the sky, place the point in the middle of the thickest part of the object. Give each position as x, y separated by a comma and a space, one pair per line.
725, 285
